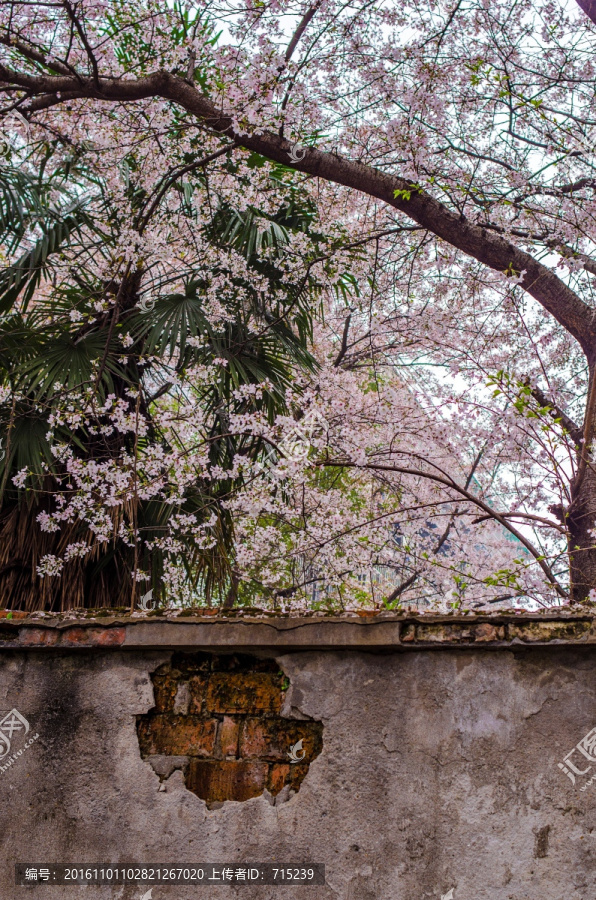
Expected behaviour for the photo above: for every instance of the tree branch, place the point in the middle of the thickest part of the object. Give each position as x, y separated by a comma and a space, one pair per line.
301, 29
529, 516
344, 342
84, 41
452, 485
170, 179
488, 248
575, 431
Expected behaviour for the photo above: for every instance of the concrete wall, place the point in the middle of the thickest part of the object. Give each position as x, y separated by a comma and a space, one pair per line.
435, 769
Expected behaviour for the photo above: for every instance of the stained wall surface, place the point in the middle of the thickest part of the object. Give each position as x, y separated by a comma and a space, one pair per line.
427, 771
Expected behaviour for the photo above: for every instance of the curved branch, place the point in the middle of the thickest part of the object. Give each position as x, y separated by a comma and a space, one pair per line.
488, 248
452, 485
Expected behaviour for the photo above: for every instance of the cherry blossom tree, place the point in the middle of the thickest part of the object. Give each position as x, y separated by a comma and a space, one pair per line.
445, 155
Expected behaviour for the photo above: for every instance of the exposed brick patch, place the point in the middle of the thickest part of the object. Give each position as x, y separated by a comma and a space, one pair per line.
221, 717
35, 637
456, 633
548, 631
102, 637
408, 633
107, 637
488, 632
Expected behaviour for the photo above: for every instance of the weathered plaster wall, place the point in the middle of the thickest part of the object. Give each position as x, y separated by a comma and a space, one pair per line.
436, 769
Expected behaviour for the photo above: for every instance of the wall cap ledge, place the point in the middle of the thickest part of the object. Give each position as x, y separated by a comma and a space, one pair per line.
258, 630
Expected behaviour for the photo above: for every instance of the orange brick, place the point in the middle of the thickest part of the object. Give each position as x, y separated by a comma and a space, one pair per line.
198, 687
488, 632
408, 633
177, 735
218, 780
244, 692
228, 737
75, 636
297, 774
107, 637
272, 738
164, 690
38, 636
103, 637
279, 775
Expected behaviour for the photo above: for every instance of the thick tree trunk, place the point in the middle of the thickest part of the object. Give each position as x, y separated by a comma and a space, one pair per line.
581, 514
89, 582
581, 522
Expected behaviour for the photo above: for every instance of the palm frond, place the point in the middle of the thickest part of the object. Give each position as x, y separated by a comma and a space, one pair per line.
27, 272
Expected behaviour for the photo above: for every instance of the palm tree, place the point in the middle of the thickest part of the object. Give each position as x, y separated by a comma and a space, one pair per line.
61, 338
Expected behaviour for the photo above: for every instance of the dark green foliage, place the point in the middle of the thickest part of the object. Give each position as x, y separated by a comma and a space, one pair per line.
56, 344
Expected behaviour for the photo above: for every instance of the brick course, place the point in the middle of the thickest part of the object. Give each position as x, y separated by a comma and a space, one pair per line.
103, 637
271, 738
218, 780
178, 736
243, 692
